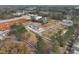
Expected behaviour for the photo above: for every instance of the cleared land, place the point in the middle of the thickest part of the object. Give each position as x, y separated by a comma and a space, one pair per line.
52, 27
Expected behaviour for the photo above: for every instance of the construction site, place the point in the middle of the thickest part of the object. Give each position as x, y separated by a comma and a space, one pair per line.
31, 33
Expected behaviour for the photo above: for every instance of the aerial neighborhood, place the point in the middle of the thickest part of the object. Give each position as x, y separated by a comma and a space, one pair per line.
39, 29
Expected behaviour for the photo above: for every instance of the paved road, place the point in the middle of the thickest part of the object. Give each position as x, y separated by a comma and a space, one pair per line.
15, 18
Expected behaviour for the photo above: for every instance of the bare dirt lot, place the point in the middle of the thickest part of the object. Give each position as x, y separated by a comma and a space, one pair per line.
52, 27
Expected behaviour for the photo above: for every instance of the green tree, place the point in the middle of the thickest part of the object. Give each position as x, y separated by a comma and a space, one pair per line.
40, 45
59, 40
55, 49
56, 15
18, 30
